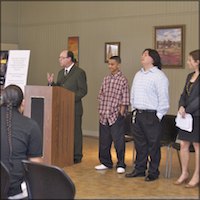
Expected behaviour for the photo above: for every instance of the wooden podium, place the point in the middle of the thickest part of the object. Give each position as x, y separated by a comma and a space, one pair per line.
53, 109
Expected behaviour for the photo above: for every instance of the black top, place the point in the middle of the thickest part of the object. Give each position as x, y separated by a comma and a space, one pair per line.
190, 96
26, 143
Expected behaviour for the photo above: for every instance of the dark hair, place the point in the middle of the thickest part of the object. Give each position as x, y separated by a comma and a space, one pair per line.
116, 58
70, 54
195, 55
155, 56
12, 97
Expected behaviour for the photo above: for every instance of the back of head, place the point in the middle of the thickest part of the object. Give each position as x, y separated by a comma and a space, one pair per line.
70, 54
12, 95
155, 56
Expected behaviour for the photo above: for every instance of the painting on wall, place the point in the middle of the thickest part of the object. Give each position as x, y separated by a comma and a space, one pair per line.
111, 49
73, 45
169, 42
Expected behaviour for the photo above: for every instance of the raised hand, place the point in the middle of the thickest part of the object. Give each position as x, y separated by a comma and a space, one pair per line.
50, 77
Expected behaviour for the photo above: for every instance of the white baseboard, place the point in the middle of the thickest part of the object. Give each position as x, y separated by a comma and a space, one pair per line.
91, 133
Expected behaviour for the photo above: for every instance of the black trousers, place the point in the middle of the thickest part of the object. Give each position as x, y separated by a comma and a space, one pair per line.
78, 138
109, 134
147, 135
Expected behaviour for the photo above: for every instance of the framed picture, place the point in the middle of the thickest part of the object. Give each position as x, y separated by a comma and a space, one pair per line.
111, 49
73, 45
170, 43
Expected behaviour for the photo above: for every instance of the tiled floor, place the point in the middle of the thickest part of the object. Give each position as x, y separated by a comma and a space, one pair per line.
107, 184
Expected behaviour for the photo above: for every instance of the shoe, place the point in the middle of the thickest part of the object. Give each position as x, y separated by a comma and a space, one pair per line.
120, 170
135, 174
181, 182
192, 186
101, 167
150, 178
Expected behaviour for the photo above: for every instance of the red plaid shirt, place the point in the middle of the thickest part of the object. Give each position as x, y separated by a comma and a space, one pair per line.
113, 93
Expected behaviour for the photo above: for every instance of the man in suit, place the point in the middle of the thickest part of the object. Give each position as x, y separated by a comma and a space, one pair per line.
74, 79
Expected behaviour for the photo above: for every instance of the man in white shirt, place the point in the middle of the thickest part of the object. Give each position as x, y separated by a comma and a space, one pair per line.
150, 101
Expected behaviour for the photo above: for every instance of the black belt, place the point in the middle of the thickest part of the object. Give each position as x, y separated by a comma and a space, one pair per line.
145, 111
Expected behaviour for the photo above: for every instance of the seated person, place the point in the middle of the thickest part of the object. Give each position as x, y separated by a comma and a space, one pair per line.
21, 139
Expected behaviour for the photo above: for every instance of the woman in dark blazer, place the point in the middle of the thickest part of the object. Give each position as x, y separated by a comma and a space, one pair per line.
189, 103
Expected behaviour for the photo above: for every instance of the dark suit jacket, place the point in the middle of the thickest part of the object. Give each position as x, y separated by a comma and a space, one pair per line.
76, 82
191, 102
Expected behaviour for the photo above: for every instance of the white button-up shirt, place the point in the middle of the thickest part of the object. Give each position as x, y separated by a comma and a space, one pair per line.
149, 90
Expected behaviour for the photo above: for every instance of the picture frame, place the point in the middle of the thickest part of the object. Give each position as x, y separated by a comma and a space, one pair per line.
73, 45
111, 49
169, 41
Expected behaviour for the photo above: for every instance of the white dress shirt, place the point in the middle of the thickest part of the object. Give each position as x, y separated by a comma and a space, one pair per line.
149, 90
67, 69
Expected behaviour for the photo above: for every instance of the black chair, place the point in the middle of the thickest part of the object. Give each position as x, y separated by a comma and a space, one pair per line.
176, 145
128, 131
169, 135
5, 181
127, 127
47, 181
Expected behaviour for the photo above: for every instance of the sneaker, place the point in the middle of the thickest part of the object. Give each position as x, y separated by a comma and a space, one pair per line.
101, 167
120, 170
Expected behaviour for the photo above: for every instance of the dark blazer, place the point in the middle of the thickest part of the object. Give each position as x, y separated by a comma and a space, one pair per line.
76, 82
191, 102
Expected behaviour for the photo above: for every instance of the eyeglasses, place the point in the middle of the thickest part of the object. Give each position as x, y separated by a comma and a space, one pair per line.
61, 57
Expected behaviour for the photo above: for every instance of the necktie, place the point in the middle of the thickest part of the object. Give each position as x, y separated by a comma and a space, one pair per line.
65, 72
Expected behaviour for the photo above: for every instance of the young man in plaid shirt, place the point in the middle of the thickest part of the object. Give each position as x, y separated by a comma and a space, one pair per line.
113, 104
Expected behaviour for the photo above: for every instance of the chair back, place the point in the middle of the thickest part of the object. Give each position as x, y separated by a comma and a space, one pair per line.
127, 127
169, 129
177, 146
5, 181
127, 123
47, 181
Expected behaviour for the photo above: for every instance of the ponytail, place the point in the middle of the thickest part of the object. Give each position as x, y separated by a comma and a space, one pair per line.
12, 97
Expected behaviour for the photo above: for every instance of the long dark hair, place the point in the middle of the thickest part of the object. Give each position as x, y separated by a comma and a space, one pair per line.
155, 56
195, 55
12, 97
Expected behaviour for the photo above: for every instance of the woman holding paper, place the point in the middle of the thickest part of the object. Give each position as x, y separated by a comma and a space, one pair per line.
189, 103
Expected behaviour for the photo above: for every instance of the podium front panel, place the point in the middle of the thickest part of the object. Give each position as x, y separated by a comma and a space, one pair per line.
53, 109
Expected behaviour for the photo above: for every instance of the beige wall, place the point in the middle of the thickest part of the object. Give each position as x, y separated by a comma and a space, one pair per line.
9, 22
43, 27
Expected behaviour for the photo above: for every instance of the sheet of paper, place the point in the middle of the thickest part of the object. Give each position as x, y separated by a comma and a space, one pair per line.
17, 68
184, 123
